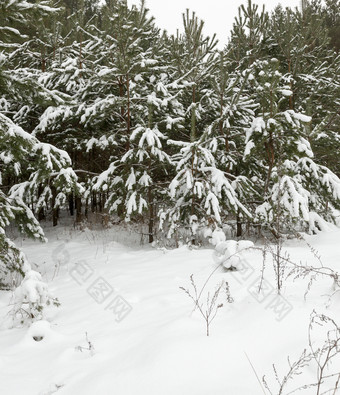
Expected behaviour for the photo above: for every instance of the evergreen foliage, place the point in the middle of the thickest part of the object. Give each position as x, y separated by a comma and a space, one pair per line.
169, 132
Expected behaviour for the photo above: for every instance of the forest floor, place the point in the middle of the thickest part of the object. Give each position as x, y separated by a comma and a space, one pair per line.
125, 327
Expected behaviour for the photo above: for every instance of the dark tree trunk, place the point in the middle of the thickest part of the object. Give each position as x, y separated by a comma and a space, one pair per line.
41, 213
238, 226
78, 209
71, 204
94, 202
100, 203
54, 210
86, 208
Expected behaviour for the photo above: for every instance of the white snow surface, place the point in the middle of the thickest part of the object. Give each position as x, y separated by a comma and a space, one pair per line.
160, 347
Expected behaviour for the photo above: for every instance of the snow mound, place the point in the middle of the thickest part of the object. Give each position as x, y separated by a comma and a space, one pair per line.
229, 253
40, 331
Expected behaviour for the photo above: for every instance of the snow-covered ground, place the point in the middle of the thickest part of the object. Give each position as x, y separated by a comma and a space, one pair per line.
144, 336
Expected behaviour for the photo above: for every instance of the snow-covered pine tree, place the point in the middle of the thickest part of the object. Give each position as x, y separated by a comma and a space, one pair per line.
193, 55
69, 72
26, 54
299, 40
297, 192
233, 113
136, 112
126, 36
302, 46
330, 14
202, 194
46, 165
193, 58
209, 190
25, 163
249, 39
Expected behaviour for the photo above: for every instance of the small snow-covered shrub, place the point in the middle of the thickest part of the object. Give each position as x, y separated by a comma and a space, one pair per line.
228, 253
31, 298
